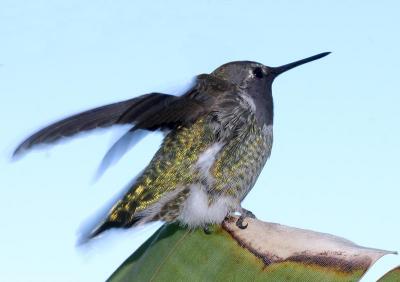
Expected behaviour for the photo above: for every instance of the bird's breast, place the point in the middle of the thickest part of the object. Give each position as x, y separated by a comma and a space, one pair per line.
238, 164
227, 171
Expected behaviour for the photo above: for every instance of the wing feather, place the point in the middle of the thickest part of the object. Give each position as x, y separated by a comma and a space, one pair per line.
151, 111
98, 117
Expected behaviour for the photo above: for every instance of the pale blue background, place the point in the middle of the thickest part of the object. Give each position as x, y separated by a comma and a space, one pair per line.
335, 162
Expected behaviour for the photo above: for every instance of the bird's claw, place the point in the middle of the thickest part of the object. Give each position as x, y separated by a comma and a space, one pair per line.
239, 222
207, 230
244, 213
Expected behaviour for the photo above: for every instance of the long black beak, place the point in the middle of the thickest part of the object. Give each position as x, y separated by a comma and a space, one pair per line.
278, 70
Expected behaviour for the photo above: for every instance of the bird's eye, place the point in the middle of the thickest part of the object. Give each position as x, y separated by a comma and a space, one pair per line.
258, 72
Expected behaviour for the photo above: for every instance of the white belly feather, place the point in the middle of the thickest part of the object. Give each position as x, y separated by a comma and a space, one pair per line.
197, 210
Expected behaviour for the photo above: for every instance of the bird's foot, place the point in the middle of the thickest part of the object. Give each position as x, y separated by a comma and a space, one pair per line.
208, 229
243, 214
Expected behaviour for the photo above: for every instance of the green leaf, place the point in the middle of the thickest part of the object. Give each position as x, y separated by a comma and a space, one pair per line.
261, 252
391, 276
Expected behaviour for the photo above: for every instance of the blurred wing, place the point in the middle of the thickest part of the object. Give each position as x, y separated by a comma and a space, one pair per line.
166, 113
150, 111
119, 148
169, 114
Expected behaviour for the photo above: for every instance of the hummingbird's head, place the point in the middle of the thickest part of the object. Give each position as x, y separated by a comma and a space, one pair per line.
254, 76
255, 80
244, 74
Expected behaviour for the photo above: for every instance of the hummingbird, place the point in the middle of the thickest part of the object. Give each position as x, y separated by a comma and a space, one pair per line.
218, 138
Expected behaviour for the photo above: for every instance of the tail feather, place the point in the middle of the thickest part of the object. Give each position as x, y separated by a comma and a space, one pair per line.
118, 217
128, 212
109, 224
